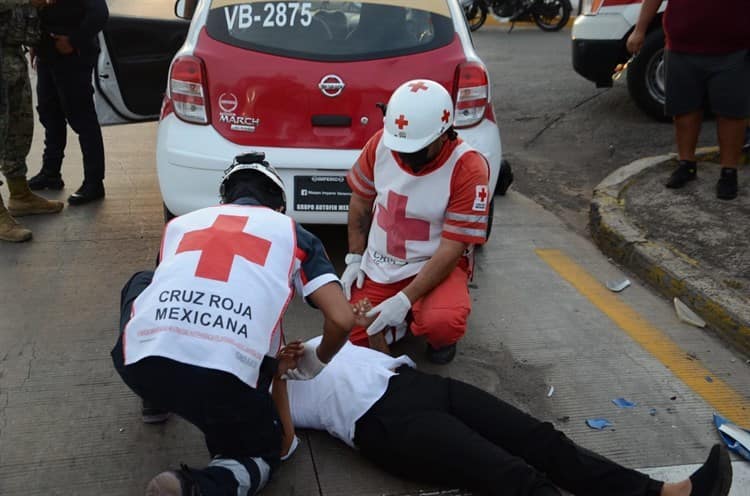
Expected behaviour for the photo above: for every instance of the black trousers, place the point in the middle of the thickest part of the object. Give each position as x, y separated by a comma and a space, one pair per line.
239, 422
446, 431
66, 96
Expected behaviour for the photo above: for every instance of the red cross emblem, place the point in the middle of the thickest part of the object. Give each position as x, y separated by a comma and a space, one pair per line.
419, 85
401, 122
446, 116
219, 244
482, 193
398, 227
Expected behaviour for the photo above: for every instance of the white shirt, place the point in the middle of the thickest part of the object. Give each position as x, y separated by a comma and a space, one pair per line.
344, 390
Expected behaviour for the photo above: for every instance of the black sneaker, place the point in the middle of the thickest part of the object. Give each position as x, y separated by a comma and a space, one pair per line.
174, 483
443, 355
686, 171
44, 180
152, 414
714, 477
87, 193
726, 186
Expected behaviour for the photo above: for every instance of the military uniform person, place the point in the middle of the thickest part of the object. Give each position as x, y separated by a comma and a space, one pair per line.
19, 27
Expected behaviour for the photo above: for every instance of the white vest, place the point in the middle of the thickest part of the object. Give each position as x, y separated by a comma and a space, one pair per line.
219, 293
409, 214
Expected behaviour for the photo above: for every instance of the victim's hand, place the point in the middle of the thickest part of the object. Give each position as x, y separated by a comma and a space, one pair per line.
288, 357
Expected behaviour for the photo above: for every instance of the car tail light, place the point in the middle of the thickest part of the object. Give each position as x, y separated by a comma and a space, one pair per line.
166, 107
472, 94
187, 88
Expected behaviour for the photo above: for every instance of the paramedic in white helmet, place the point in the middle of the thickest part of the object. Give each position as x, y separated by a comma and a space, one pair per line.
199, 335
420, 203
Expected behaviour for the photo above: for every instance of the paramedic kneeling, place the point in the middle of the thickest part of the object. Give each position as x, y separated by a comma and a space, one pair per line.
199, 334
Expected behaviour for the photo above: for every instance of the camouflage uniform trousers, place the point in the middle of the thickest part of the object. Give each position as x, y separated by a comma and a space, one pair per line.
16, 112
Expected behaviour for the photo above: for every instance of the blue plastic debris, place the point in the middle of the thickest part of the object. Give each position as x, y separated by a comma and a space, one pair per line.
736, 438
709, 378
623, 403
652, 412
598, 423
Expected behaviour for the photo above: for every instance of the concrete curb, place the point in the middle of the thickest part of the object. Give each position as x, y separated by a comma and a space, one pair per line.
672, 273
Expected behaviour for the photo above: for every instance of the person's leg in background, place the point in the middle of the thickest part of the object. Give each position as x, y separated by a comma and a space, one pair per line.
52, 118
685, 93
731, 133
729, 93
18, 130
72, 78
441, 315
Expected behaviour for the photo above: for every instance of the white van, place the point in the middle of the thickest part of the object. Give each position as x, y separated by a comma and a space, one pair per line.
599, 37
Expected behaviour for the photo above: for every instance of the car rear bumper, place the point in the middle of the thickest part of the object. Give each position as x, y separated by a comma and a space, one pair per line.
191, 160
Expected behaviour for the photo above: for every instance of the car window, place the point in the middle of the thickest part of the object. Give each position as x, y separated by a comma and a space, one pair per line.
332, 30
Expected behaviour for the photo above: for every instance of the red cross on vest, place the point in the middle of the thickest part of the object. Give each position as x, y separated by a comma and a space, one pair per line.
446, 116
482, 193
219, 244
419, 85
401, 122
398, 227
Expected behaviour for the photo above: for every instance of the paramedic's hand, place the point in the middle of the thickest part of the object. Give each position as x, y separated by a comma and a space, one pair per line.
308, 365
635, 41
389, 313
352, 273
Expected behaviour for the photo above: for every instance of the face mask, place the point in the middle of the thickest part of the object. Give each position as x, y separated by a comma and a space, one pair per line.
416, 159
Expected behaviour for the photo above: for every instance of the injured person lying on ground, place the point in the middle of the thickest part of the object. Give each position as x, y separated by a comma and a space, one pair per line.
443, 431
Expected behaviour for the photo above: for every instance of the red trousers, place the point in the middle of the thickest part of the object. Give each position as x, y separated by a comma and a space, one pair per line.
440, 315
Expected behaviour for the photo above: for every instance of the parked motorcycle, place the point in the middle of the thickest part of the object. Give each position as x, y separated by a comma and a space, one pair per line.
549, 15
476, 12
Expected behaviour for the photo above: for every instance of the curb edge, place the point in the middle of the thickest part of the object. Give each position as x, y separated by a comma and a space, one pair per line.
663, 267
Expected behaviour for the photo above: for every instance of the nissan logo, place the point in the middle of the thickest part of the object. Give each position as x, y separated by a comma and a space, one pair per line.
331, 85
228, 102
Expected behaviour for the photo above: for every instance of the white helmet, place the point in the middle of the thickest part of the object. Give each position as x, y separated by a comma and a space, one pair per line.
252, 161
418, 112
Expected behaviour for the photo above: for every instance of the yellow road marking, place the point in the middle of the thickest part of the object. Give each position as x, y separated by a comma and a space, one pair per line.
718, 393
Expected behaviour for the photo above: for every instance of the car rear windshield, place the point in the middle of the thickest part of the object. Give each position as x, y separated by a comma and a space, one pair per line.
332, 30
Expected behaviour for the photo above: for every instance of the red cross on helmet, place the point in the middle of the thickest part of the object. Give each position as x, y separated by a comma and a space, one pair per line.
418, 112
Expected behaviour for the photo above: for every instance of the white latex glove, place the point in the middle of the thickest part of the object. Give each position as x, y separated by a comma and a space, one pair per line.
352, 273
308, 366
391, 313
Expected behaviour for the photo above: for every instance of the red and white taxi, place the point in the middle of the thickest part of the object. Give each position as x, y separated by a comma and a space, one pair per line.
303, 82
599, 38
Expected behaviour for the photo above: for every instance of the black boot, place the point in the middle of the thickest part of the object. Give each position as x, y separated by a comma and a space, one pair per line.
685, 171
46, 180
88, 192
